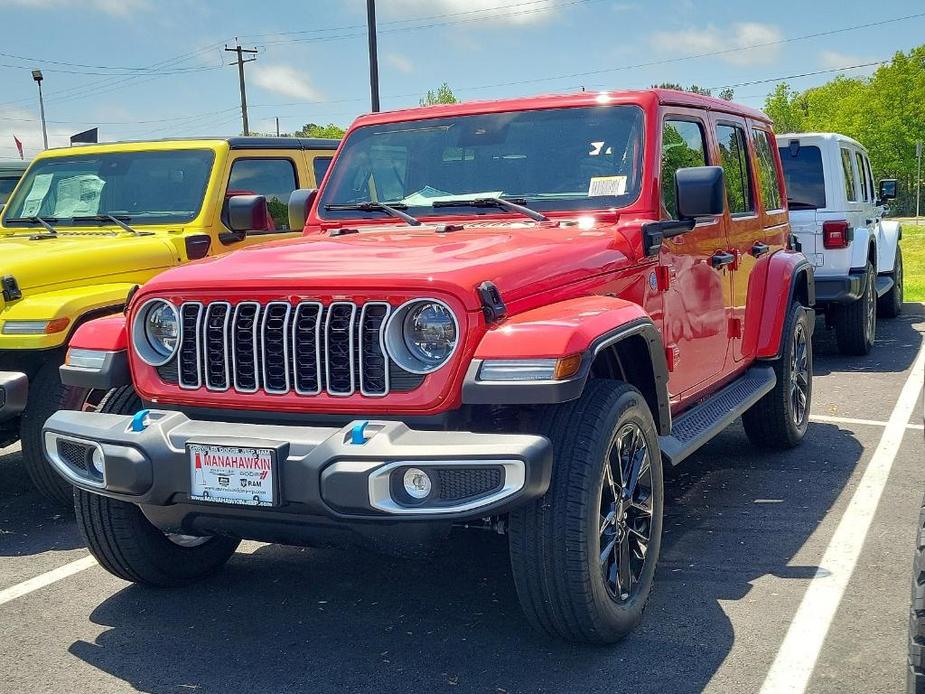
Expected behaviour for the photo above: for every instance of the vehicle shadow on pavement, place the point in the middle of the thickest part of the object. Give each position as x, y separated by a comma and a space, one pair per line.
895, 347
290, 619
30, 523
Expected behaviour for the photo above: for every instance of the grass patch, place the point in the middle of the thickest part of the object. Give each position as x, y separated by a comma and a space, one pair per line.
913, 245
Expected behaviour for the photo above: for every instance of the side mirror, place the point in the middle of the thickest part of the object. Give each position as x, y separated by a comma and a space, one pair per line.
888, 189
700, 191
247, 213
300, 204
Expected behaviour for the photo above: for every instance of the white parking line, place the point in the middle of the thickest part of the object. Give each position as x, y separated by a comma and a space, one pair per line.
45, 579
828, 419
851, 420
793, 666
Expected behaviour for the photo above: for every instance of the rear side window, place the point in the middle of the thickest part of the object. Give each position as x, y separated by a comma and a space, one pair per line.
862, 173
273, 178
870, 179
320, 166
734, 150
851, 189
768, 180
683, 146
803, 176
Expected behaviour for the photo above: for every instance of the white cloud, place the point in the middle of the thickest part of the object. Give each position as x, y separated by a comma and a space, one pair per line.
473, 9
285, 80
837, 59
739, 35
119, 8
399, 62
26, 125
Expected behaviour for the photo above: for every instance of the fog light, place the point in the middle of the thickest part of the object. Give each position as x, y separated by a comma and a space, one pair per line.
97, 460
417, 483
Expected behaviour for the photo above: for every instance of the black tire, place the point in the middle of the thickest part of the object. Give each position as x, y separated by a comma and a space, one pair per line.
555, 541
780, 419
856, 323
891, 304
915, 674
47, 395
127, 545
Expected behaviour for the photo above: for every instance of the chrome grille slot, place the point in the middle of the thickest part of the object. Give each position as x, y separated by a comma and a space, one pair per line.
189, 367
275, 345
279, 347
215, 346
374, 364
244, 346
306, 348
339, 348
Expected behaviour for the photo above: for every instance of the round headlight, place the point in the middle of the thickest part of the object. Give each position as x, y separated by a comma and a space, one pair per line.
422, 335
156, 332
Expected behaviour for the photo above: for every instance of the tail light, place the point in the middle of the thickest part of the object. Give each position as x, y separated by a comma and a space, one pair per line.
836, 234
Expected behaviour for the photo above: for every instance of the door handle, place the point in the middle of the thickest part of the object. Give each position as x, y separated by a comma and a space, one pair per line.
722, 258
759, 249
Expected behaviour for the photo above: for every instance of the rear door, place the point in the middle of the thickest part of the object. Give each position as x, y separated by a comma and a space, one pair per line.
695, 314
746, 230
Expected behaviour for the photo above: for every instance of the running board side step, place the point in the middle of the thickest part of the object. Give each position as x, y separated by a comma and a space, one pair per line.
692, 429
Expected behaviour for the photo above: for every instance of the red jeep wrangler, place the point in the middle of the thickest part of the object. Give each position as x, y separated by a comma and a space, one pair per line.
508, 315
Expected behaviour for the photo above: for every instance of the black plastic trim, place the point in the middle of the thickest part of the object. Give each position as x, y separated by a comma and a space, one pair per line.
113, 374
14, 391
238, 143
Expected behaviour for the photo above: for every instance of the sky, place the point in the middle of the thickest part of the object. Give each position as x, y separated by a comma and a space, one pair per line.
142, 69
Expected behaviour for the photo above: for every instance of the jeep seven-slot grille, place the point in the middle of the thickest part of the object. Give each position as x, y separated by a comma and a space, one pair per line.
279, 347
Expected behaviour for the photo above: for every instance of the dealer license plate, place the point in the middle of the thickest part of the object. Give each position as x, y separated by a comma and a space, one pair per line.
232, 475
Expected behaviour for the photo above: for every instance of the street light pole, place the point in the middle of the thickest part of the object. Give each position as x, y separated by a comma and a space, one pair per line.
37, 76
918, 179
373, 55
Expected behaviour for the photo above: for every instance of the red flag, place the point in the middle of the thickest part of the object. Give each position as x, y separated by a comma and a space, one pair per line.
18, 145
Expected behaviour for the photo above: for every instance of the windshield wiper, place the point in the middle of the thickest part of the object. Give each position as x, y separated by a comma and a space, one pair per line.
394, 210
44, 221
119, 221
511, 205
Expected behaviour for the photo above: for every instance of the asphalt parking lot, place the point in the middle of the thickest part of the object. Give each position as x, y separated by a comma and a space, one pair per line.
748, 534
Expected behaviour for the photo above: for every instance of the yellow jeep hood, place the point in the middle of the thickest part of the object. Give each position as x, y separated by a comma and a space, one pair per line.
82, 259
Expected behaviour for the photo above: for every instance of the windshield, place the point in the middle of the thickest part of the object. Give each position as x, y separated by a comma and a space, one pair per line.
141, 187
556, 159
804, 177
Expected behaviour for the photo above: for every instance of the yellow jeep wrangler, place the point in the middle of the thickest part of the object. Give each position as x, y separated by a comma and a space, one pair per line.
86, 225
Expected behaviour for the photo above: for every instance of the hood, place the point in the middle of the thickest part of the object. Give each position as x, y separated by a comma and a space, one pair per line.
520, 258
68, 259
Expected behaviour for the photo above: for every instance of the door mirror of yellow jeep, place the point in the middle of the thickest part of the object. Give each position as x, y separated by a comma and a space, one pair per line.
248, 213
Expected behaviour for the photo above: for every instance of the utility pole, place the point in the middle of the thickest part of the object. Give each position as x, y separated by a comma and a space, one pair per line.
918, 179
240, 63
277, 126
37, 76
373, 55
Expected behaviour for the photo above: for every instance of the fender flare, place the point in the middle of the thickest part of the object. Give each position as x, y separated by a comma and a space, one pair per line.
789, 277
585, 326
892, 234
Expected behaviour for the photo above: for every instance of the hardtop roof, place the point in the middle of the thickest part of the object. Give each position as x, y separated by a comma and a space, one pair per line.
234, 142
642, 97
819, 136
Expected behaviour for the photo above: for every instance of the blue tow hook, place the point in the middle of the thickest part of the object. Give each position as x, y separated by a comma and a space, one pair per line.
358, 433
138, 421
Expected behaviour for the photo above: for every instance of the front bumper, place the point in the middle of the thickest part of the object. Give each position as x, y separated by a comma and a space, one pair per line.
840, 290
321, 473
14, 390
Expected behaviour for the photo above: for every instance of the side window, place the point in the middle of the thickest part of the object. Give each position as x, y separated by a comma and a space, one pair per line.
768, 179
734, 150
273, 178
862, 175
870, 179
320, 166
851, 189
683, 145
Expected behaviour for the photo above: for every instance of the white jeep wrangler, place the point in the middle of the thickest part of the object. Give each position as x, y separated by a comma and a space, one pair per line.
838, 220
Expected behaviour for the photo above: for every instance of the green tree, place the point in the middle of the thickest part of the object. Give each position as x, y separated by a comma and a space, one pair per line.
695, 89
315, 130
443, 95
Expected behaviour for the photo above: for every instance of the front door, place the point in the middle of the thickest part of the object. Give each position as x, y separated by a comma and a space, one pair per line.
698, 291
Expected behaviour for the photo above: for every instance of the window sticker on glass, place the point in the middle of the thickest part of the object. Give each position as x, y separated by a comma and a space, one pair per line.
40, 185
606, 185
78, 195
